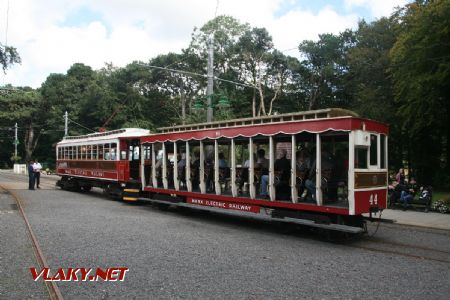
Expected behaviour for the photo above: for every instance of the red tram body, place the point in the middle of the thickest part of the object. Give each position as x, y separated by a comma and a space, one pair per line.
213, 166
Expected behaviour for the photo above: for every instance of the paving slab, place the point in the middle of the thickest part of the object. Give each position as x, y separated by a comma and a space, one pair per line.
418, 218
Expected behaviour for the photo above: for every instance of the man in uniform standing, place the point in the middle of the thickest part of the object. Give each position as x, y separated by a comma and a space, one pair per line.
37, 167
31, 179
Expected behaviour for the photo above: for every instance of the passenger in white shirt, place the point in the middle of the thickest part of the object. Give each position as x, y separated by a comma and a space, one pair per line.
37, 167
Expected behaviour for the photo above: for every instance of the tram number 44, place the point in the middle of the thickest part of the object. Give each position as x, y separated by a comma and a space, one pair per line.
373, 199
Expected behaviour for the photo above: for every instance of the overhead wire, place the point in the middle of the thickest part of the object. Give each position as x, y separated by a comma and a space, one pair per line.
81, 125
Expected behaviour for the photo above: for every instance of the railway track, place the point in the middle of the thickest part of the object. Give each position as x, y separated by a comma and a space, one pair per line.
411, 250
371, 244
51, 286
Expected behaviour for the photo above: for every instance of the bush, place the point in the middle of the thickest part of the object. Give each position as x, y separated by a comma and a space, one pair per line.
441, 180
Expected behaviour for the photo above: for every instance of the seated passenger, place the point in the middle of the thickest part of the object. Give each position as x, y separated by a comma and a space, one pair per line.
222, 161
310, 184
303, 164
262, 164
282, 168
181, 165
243, 176
195, 171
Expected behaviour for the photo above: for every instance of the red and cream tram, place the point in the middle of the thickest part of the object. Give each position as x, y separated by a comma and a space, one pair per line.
323, 168
109, 160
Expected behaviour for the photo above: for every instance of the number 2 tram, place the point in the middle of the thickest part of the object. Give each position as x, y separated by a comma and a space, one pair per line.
322, 168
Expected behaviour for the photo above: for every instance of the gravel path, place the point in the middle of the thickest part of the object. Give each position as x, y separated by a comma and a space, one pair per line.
16, 255
171, 254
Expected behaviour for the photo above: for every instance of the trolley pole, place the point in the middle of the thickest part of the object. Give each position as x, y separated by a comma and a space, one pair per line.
16, 141
66, 123
210, 76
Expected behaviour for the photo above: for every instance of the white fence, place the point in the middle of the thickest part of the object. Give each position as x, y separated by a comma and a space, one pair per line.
20, 168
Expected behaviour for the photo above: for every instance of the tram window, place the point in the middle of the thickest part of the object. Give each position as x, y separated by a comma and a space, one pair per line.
83, 152
123, 154
89, 152
70, 152
106, 155
65, 152
361, 158
113, 151
94, 151
100, 151
383, 151
78, 152
147, 152
373, 150
130, 153
136, 153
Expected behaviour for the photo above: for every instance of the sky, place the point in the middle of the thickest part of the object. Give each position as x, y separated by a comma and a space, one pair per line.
52, 35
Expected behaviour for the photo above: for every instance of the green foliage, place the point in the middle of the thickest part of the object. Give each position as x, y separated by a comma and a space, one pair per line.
395, 70
8, 56
421, 74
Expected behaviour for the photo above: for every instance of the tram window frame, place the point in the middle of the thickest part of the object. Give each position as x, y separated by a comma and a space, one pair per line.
70, 153
65, 152
59, 153
136, 152
113, 150
357, 163
94, 152
130, 153
373, 150
89, 152
83, 152
383, 152
100, 151
106, 152
78, 152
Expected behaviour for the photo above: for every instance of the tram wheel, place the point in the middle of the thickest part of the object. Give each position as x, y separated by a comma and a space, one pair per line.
86, 188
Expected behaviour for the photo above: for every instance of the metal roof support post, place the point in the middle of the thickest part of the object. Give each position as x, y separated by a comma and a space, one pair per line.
271, 184
318, 171
202, 168
216, 168
294, 191
154, 181
164, 167
251, 170
188, 168
233, 169
142, 166
351, 173
175, 167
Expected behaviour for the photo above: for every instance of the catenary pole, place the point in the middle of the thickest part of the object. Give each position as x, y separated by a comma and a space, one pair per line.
66, 123
210, 74
16, 141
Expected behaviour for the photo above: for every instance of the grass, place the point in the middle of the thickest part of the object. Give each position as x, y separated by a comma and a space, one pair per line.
441, 195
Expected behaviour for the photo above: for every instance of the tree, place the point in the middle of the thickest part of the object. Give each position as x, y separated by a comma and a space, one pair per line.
325, 66
368, 81
8, 56
421, 73
24, 107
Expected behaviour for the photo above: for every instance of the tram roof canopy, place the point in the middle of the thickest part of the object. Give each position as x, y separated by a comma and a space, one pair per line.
112, 134
316, 121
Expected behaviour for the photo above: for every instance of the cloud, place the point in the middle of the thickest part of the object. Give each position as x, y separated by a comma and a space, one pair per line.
378, 8
50, 40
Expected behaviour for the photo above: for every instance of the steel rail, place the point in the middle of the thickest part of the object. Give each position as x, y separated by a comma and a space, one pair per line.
52, 287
